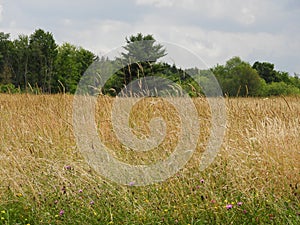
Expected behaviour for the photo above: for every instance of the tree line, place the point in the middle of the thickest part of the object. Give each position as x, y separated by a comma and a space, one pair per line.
239, 78
36, 63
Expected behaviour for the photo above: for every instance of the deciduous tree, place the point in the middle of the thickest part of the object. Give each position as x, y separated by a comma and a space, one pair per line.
238, 78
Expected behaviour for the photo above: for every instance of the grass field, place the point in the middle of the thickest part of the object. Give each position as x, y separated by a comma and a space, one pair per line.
255, 178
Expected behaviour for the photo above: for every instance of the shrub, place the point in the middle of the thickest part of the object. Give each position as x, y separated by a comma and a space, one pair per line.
8, 88
280, 88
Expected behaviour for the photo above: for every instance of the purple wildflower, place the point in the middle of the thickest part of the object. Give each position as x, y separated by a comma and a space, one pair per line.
80, 191
239, 203
131, 183
229, 206
64, 190
61, 212
68, 167
92, 202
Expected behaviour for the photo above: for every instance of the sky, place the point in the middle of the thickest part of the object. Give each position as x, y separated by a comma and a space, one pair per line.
214, 30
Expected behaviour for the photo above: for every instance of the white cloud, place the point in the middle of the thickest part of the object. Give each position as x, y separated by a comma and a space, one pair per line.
98, 36
247, 16
67, 22
156, 3
214, 29
216, 46
213, 46
1, 11
241, 12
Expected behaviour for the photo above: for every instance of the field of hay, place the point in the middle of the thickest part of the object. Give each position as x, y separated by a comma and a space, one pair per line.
44, 178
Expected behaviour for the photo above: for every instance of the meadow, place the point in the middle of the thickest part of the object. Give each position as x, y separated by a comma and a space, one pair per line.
44, 179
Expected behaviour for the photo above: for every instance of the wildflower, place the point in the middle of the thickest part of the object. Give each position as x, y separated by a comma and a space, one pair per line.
68, 167
244, 211
2, 218
202, 181
229, 206
239, 203
213, 201
63, 189
80, 191
61, 212
56, 201
131, 183
92, 202
3, 211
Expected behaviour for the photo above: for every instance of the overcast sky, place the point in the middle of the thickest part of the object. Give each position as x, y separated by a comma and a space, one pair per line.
216, 30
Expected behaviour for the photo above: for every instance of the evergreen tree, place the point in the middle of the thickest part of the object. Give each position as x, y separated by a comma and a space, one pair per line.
20, 61
142, 53
6, 49
43, 51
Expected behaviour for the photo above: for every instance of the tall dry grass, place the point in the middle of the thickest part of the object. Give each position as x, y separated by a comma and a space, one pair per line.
260, 153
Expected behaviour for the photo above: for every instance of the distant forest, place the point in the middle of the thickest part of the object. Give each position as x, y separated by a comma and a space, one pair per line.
37, 64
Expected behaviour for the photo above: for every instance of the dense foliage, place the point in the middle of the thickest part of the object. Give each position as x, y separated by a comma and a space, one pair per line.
36, 63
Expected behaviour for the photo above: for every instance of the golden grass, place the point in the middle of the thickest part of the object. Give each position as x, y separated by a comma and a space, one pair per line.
261, 149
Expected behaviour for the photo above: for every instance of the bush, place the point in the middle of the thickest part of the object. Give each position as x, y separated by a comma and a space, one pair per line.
280, 88
8, 88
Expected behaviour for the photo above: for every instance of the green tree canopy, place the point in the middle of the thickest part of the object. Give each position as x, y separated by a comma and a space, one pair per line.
238, 78
266, 71
70, 65
43, 51
142, 53
143, 49
6, 48
21, 60
37, 60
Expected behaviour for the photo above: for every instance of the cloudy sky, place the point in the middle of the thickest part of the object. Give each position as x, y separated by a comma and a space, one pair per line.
215, 30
